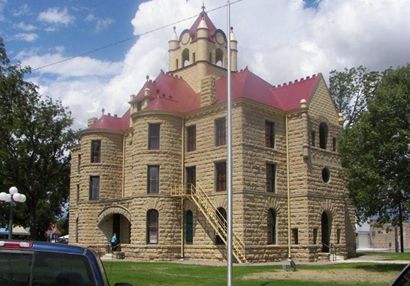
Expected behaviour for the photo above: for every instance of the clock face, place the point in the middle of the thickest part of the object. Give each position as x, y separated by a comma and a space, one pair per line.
220, 38
185, 38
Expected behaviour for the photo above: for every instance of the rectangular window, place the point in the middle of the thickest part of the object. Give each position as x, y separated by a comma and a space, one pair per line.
334, 144
95, 151
191, 138
295, 236
190, 178
78, 193
338, 236
270, 178
220, 172
152, 226
79, 163
269, 134
153, 136
220, 131
94, 188
315, 236
153, 180
313, 137
139, 105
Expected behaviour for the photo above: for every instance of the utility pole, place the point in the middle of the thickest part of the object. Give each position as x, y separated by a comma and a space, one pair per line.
229, 147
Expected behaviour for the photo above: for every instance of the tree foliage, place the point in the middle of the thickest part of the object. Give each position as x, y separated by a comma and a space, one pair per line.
35, 135
375, 150
351, 90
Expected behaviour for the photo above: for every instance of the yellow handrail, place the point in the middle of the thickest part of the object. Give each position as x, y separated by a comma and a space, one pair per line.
216, 219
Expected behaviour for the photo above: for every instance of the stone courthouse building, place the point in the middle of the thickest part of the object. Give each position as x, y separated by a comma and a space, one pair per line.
156, 176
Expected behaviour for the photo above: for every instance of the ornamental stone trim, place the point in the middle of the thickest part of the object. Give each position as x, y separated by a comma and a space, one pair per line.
113, 210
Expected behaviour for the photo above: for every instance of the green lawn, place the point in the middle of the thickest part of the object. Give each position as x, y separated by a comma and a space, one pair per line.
156, 273
386, 255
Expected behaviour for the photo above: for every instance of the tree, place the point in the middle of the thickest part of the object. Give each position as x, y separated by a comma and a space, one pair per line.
34, 136
351, 89
376, 151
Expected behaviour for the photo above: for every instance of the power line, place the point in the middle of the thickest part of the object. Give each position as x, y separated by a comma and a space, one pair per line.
128, 38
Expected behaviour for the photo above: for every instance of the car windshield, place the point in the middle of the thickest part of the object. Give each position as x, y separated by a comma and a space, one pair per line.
49, 269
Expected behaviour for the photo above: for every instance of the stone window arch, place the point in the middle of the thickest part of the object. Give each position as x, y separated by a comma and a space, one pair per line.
272, 226
185, 58
323, 134
152, 226
219, 57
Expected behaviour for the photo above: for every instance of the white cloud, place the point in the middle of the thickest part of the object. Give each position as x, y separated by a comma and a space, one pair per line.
56, 16
100, 23
25, 27
77, 67
27, 37
22, 10
279, 40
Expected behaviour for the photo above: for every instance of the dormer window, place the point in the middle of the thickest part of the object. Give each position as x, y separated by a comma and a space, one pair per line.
139, 105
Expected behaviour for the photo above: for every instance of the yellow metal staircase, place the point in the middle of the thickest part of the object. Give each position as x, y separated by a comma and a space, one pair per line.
214, 217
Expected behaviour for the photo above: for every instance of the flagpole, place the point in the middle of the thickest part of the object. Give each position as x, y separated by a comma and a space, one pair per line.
229, 147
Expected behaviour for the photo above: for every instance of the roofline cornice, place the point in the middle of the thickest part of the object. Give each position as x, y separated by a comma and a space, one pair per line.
89, 131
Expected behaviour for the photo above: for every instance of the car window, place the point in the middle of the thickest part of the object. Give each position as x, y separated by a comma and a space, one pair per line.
15, 268
52, 269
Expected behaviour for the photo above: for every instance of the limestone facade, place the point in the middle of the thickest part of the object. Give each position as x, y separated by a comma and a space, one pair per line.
306, 207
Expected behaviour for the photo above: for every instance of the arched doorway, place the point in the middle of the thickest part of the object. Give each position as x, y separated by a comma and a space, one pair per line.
325, 232
115, 220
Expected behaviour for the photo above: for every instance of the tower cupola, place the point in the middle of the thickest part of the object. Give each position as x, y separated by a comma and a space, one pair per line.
173, 42
201, 51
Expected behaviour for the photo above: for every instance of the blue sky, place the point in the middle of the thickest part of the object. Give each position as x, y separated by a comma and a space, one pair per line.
279, 40
77, 26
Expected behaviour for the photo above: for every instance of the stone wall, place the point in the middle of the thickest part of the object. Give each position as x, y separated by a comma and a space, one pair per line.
309, 195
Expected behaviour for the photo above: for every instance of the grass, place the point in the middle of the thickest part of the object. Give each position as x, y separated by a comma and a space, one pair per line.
156, 273
386, 255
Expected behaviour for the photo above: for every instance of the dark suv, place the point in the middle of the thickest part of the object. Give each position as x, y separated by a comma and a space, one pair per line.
47, 264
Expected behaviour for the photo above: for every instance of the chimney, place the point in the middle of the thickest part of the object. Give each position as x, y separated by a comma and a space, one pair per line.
208, 90
91, 121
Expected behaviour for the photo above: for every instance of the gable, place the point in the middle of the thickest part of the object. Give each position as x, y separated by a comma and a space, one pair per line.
322, 105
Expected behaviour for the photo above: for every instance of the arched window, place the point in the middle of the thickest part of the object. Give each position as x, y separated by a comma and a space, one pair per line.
219, 57
221, 215
323, 135
185, 57
189, 227
272, 226
152, 226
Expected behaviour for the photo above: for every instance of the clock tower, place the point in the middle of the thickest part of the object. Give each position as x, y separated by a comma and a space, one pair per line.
201, 51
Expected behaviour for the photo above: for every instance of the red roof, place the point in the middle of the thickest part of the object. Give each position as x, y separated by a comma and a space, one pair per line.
112, 122
169, 93
290, 94
211, 27
284, 97
173, 94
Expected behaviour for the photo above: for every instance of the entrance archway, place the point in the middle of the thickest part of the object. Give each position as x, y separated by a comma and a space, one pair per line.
325, 232
115, 220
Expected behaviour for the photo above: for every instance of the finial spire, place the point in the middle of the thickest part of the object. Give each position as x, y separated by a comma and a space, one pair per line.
203, 6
